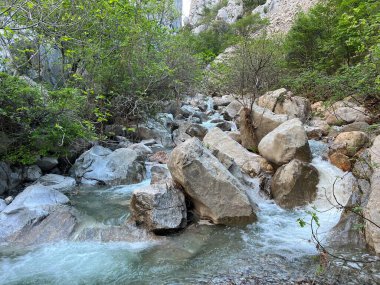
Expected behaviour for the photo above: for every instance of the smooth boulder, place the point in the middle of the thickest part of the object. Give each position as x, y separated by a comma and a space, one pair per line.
57, 182
100, 165
215, 193
294, 184
286, 142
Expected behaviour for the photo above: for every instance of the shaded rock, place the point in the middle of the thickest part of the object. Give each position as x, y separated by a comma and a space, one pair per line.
294, 184
47, 163
223, 101
160, 157
235, 135
56, 226
349, 143
215, 193
32, 173
157, 147
341, 161
362, 167
250, 163
158, 129
159, 208
286, 142
232, 110
372, 210
57, 182
282, 101
160, 174
196, 130
149, 142
102, 166
224, 126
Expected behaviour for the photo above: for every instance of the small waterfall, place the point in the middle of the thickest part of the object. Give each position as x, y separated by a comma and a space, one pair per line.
210, 104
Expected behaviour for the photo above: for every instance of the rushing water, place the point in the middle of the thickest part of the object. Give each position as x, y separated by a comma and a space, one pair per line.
275, 250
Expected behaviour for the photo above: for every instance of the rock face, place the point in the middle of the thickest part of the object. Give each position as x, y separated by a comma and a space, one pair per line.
282, 101
159, 207
286, 142
265, 121
250, 163
47, 163
28, 208
372, 210
294, 184
100, 165
215, 193
231, 12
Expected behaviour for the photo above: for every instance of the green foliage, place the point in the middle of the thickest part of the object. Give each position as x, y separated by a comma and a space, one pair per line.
39, 122
333, 50
250, 5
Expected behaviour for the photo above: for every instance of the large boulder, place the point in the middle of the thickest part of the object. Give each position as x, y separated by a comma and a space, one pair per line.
250, 163
349, 143
294, 184
316, 129
372, 210
29, 207
232, 110
32, 173
100, 165
215, 193
344, 112
286, 142
265, 121
159, 207
282, 101
58, 182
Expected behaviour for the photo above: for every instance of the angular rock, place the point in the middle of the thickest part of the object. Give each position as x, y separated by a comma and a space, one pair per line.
158, 129
282, 101
362, 168
29, 207
56, 226
294, 184
286, 142
250, 163
341, 161
100, 165
159, 208
316, 129
32, 173
141, 149
47, 163
265, 121
215, 193
232, 110
372, 210
223, 101
196, 130
232, 12
57, 182
160, 174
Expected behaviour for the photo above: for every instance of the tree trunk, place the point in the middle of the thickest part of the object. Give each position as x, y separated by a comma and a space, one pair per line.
247, 130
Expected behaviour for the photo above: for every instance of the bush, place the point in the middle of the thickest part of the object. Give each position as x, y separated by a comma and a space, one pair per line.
39, 122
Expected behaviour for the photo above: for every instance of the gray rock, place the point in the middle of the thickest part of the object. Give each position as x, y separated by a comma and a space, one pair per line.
29, 207
196, 130
232, 110
32, 173
2, 205
215, 193
141, 149
47, 163
57, 182
294, 184
286, 142
160, 174
158, 129
100, 165
159, 207
8, 179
